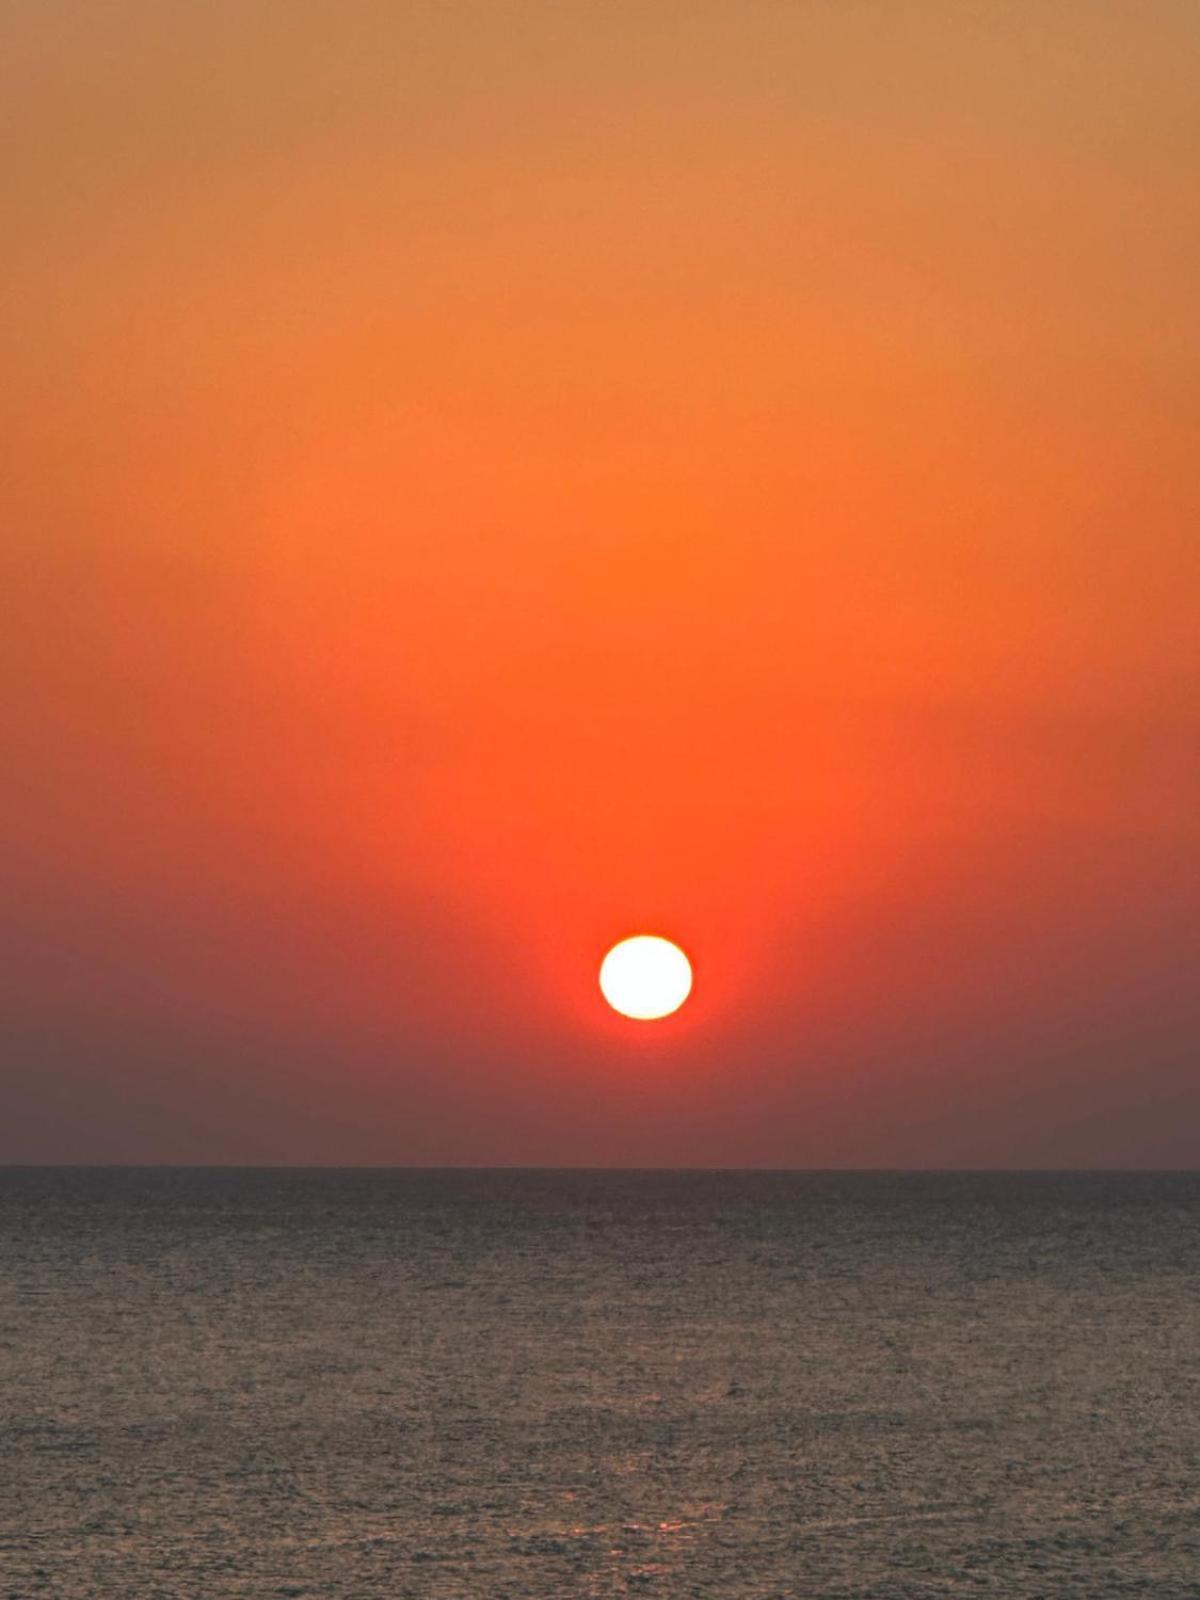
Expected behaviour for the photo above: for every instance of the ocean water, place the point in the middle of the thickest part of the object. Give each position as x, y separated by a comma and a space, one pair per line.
526, 1384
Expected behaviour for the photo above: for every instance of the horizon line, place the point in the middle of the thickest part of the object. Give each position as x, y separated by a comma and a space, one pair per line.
492, 1167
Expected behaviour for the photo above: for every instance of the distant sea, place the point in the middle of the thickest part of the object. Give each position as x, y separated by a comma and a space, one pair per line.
515, 1384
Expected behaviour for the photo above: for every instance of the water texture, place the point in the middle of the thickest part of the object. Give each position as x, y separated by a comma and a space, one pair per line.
526, 1384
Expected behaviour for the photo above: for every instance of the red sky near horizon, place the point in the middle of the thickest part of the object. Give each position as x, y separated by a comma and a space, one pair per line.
485, 479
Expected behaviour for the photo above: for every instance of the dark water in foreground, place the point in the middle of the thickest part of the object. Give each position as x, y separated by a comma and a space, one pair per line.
596, 1384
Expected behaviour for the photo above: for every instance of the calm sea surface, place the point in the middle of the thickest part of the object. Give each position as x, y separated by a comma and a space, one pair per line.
418, 1384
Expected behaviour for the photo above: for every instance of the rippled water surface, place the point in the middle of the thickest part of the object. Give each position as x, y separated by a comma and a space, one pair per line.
219, 1383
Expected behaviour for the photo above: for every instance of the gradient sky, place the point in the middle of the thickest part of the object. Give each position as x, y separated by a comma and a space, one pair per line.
482, 479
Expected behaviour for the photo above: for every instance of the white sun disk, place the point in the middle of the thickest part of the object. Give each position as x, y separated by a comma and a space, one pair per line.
645, 977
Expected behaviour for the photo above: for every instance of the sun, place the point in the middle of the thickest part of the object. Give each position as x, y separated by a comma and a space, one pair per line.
645, 977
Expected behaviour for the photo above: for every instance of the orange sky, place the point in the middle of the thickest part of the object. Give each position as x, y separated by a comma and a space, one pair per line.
484, 479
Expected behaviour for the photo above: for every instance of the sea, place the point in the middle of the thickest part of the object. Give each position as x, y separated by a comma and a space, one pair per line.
428, 1385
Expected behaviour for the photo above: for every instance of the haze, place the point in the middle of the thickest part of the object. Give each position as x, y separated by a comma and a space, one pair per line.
484, 480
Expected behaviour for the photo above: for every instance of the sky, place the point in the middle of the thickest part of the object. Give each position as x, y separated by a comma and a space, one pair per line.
483, 479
